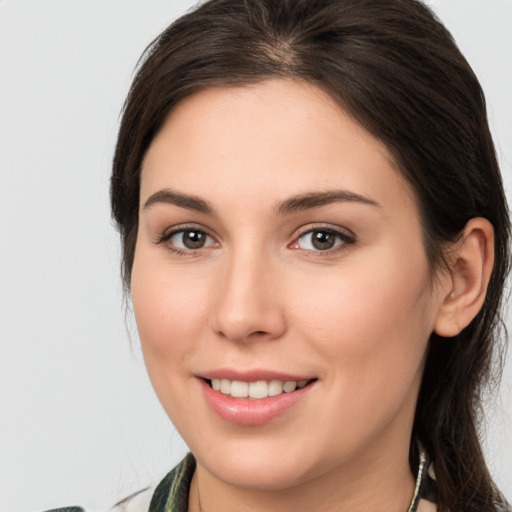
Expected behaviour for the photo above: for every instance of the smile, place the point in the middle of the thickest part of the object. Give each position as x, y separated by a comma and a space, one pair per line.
256, 390
254, 397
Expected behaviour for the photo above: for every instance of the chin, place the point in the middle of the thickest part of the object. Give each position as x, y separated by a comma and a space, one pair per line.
263, 473
261, 464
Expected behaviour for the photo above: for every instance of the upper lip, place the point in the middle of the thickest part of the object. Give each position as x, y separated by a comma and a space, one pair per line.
253, 375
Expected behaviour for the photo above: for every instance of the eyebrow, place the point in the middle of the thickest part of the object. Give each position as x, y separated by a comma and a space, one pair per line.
167, 196
294, 204
310, 200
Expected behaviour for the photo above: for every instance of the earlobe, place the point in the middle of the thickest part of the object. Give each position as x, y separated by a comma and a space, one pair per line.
471, 263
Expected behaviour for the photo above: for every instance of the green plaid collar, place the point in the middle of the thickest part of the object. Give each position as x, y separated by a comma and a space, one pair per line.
171, 495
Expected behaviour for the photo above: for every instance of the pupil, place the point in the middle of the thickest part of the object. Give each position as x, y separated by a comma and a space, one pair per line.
193, 239
322, 240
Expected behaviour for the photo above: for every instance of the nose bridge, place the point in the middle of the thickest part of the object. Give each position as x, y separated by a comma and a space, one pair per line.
248, 304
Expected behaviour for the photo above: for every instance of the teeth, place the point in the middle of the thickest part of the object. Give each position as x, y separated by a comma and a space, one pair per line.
225, 386
239, 389
259, 389
275, 387
289, 386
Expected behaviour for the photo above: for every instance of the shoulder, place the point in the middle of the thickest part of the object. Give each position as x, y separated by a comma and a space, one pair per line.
171, 494
137, 502
66, 509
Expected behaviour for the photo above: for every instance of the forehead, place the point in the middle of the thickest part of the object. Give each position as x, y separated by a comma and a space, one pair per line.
287, 135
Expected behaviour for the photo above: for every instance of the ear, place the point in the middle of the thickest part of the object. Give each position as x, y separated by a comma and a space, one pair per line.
470, 267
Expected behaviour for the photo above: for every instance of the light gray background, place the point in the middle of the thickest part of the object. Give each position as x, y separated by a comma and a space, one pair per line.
78, 420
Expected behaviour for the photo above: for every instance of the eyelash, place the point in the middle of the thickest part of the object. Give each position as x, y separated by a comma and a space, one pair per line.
167, 236
344, 240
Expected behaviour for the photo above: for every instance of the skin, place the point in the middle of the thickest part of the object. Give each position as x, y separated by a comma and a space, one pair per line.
258, 294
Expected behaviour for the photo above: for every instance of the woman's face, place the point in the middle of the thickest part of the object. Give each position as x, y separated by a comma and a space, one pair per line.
278, 244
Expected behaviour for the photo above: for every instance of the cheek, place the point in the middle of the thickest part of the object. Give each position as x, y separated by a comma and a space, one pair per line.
371, 331
170, 312
371, 318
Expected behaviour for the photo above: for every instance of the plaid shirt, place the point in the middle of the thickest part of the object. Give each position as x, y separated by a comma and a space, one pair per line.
171, 495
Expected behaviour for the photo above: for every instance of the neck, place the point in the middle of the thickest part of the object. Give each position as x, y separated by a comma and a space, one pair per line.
378, 482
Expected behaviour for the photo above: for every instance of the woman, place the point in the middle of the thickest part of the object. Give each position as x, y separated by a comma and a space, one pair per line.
315, 241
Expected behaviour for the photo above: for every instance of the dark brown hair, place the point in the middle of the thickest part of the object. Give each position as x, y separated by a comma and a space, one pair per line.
397, 70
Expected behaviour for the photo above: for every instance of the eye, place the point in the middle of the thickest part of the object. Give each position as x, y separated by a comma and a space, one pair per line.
189, 240
322, 240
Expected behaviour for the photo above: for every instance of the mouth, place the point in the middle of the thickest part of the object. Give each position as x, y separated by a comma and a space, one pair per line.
254, 397
257, 390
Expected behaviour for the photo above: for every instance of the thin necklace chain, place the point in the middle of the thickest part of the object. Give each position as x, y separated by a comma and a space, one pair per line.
199, 496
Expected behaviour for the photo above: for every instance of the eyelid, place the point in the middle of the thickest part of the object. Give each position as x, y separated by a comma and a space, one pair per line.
347, 236
168, 233
332, 228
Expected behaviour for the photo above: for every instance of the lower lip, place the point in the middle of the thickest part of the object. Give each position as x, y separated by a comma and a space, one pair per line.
251, 412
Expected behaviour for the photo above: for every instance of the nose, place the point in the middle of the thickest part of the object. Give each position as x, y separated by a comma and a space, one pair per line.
248, 305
